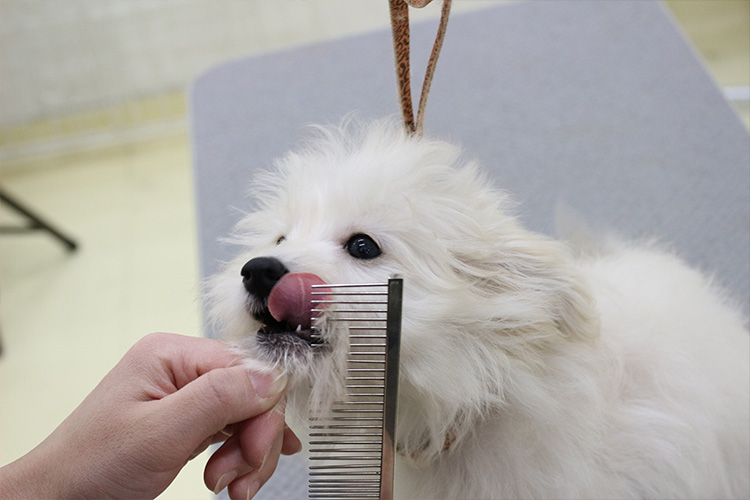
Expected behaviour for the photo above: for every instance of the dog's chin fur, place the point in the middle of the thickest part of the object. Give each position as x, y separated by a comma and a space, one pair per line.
527, 371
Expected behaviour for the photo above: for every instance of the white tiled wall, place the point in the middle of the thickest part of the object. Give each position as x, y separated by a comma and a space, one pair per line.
63, 56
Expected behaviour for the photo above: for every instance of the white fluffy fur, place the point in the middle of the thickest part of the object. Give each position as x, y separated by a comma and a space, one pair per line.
615, 373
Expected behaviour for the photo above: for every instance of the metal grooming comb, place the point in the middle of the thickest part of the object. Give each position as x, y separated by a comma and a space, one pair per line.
352, 449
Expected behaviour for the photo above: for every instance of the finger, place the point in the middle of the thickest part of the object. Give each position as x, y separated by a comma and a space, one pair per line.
198, 356
219, 437
225, 465
259, 435
291, 443
185, 358
218, 398
200, 449
247, 450
247, 486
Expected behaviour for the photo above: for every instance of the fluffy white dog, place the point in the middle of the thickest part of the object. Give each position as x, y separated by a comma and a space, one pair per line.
528, 370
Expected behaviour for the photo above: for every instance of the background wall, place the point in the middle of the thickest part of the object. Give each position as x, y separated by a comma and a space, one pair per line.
67, 56
63, 57
109, 66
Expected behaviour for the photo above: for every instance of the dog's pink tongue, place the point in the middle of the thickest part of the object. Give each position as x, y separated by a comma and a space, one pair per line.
290, 299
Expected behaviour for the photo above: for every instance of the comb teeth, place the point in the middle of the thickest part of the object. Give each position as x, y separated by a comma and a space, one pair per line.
352, 450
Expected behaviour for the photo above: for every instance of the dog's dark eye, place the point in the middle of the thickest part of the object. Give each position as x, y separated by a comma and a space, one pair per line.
281, 238
362, 246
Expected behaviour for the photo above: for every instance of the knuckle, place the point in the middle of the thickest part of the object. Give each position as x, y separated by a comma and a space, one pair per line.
153, 341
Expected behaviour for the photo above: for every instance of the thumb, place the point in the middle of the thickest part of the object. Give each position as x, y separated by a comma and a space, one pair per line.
221, 397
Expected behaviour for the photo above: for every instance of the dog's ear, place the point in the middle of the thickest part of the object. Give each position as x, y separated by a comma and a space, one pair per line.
574, 311
534, 286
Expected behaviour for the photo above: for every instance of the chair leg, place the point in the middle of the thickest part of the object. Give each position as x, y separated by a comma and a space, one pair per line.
35, 222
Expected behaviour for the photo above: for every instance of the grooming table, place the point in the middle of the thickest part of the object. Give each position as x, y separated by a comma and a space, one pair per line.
600, 107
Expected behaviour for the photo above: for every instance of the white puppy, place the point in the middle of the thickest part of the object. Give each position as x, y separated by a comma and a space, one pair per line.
526, 371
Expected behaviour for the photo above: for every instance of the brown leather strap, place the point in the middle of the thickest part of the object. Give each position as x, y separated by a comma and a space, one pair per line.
400, 29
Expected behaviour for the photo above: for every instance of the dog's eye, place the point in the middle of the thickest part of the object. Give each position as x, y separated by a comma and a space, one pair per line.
281, 238
361, 246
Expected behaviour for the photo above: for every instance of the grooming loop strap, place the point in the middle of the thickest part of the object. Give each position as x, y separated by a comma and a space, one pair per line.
400, 29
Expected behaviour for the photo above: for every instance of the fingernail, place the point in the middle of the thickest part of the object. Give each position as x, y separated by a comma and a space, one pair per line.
253, 489
224, 481
269, 384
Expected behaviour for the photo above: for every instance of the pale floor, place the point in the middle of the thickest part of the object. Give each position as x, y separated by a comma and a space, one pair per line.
68, 318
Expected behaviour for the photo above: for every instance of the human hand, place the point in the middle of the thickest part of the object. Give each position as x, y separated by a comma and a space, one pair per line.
167, 400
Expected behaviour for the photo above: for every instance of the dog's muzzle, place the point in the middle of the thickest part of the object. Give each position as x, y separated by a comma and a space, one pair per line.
259, 276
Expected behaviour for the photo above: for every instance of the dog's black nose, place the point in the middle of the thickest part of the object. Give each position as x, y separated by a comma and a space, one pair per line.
260, 274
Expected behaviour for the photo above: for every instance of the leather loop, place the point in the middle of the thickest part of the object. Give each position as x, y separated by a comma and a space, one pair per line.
417, 3
400, 29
